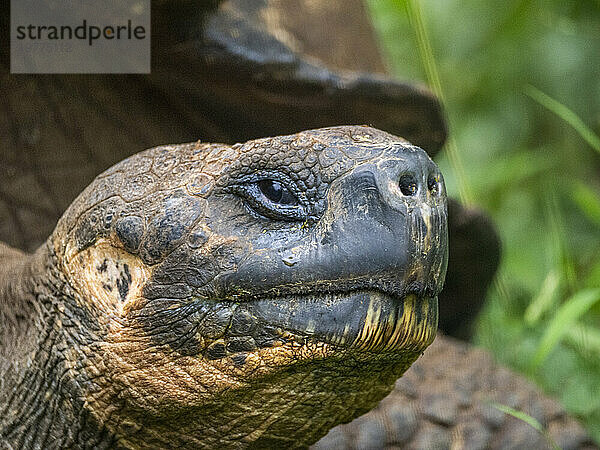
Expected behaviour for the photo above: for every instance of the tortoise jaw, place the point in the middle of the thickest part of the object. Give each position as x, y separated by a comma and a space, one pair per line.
363, 321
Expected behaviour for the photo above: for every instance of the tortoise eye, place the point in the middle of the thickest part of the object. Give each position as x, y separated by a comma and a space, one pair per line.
269, 197
275, 192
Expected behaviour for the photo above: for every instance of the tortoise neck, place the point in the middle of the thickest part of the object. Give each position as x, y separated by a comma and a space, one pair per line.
40, 405
18, 311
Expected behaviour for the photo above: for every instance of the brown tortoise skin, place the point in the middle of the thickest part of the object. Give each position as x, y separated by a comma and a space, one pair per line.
177, 308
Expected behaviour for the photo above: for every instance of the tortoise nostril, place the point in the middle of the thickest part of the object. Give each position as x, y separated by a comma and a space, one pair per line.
408, 184
433, 184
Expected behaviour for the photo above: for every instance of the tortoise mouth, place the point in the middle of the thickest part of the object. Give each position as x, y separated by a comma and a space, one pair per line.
367, 320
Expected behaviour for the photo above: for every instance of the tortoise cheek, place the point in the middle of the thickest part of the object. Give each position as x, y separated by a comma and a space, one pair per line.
108, 277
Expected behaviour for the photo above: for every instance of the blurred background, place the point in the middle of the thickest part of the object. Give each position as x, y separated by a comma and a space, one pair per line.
520, 81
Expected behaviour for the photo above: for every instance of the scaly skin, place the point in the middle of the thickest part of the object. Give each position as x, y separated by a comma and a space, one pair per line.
175, 305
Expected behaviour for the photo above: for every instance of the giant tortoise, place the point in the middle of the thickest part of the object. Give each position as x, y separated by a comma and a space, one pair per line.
254, 294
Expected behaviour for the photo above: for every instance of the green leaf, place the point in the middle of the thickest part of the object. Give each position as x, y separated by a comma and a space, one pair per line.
566, 114
531, 421
564, 318
588, 201
519, 415
592, 278
558, 240
544, 300
585, 338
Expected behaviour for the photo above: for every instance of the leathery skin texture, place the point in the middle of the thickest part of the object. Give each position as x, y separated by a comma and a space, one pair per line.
207, 295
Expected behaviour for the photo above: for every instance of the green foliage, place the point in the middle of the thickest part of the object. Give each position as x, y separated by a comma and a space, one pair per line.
563, 320
567, 115
587, 201
522, 95
545, 300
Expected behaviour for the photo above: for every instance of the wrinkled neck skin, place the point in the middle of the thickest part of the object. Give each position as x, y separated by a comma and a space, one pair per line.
291, 409
54, 391
21, 320
40, 393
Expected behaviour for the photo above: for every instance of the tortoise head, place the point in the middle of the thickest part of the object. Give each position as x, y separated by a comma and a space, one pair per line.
261, 292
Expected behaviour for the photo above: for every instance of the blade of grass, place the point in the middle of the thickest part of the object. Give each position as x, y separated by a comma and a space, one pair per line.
585, 338
558, 240
563, 320
566, 114
588, 201
415, 16
545, 298
592, 278
531, 421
